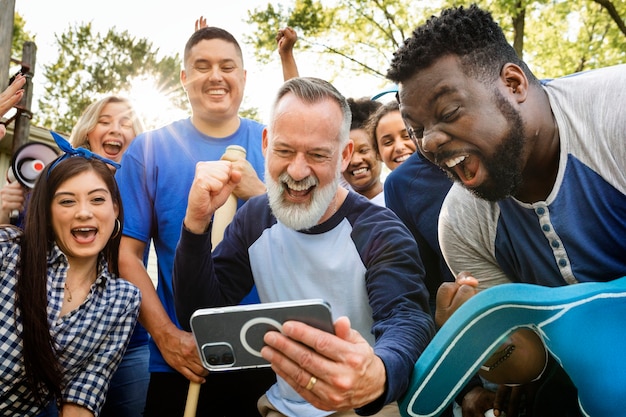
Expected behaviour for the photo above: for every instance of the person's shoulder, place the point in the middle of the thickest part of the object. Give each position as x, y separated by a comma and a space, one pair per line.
256, 204
461, 207
250, 124
9, 233
459, 196
601, 75
165, 132
360, 208
123, 290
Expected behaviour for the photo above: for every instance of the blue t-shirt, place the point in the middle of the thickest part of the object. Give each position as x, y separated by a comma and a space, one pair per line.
156, 175
415, 192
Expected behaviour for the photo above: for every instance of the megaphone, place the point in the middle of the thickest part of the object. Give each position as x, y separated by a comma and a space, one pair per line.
29, 161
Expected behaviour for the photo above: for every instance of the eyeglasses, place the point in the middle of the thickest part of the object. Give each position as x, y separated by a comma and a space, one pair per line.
66, 147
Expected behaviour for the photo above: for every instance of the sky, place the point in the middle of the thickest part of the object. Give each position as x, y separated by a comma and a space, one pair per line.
168, 25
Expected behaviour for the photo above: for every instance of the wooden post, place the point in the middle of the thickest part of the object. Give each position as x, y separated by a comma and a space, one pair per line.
21, 132
7, 14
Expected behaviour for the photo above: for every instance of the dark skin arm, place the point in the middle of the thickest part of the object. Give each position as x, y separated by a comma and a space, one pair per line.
524, 364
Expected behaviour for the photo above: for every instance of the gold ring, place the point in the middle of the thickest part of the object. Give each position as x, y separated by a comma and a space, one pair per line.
311, 383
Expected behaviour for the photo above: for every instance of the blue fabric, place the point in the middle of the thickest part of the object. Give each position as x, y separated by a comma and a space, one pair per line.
582, 326
415, 192
385, 252
156, 175
529, 237
129, 385
66, 147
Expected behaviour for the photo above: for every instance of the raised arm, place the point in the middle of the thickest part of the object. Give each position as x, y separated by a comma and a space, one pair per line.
285, 40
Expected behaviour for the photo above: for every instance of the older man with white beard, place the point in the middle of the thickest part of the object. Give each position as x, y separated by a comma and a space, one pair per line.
310, 238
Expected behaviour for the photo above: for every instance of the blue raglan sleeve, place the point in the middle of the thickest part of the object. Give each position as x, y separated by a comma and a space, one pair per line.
202, 278
403, 326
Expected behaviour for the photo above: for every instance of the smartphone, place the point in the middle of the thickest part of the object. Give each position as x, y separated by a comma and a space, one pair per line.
231, 338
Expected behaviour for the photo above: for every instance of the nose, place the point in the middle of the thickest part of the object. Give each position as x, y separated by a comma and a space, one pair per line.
432, 140
115, 127
215, 73
83, 211
299, 168
356, 158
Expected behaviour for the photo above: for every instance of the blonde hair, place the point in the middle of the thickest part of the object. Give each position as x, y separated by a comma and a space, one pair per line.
89, 119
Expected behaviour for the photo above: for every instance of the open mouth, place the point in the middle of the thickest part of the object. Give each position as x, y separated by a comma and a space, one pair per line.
402, 158
84, 234
112, 147
359, 171
298, 190
464, 166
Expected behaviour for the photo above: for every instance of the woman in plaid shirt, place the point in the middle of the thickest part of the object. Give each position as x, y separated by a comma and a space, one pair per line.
65, 315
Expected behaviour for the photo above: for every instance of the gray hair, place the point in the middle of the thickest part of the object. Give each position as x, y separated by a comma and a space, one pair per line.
313, 90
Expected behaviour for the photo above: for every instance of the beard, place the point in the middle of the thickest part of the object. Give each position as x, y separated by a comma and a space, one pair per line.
299, 216
505, 165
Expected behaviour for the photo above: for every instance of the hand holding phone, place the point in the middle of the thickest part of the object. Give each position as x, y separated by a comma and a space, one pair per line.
231, 338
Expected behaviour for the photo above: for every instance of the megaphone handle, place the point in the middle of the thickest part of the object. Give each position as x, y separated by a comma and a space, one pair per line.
14, 217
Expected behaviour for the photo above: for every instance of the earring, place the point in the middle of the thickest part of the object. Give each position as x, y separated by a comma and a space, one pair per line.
117, 229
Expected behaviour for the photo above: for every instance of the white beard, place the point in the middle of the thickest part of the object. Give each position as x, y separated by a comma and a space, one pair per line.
299, 216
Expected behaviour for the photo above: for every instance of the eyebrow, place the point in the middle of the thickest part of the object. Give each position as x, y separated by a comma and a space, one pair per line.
284, 144
97, 190
208, 61
440, 92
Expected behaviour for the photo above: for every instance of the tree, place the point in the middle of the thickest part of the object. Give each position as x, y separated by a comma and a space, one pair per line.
19, 36
555, 37
90, 65
355, 35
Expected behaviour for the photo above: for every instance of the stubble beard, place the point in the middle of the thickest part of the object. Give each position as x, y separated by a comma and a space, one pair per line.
504, 166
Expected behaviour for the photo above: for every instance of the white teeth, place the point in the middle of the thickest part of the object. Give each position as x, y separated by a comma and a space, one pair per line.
83, 229
220, 91
113, 143
359, 171
300, 185
402, 158
455, 161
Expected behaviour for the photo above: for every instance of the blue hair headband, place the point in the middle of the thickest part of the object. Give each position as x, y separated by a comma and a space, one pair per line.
65, 146
388, 90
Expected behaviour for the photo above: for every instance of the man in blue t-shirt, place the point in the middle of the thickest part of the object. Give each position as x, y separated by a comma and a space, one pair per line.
156, 174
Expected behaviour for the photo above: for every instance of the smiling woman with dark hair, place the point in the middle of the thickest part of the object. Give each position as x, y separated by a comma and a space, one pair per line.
65, 317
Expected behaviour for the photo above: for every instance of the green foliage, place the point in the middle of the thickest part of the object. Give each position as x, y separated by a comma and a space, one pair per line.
91, 65
557, 36
19, 36
250, 113
357, 35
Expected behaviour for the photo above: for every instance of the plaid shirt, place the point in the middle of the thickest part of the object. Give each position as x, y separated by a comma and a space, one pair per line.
90, 341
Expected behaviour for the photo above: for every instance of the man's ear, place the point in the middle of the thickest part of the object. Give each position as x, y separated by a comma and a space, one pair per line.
515, 81
264, 141
346, 155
